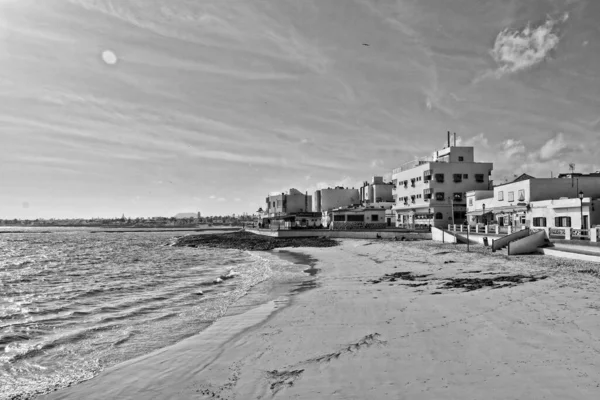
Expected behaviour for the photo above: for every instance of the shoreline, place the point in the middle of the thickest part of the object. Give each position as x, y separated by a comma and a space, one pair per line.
393, 320
251, 310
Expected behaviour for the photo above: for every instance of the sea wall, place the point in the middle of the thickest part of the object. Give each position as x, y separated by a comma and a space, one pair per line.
356, 234
345, 225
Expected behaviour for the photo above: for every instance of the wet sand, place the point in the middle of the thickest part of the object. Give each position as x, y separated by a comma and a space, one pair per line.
382, 322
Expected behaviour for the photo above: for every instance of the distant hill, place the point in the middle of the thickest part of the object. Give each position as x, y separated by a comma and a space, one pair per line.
186, 215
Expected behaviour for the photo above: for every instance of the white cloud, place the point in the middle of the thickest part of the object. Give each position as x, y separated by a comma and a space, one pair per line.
376, 164
479, 141
237, 199
213, 197
554, 148
517, 50
512, 148
221, 199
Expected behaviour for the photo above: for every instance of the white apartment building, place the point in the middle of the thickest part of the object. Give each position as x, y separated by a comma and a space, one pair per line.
518, 202
432, 190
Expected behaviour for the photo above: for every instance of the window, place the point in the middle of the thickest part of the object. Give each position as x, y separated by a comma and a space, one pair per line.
539, 221
522, 221
339, 218
458, 197
522, 195
457, 177
562, 222
479, 178
500, 196
439, 178
460, 215
465, 176
471, 202
461, 158
439, 196
412, 182
418, 196
356, 218
412, 199
439, 215
427, 175
511, 196
374, 218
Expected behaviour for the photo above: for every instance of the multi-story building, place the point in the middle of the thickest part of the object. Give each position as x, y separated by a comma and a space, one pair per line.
514, 203
288, 203
432, 190
330, 198
376, 192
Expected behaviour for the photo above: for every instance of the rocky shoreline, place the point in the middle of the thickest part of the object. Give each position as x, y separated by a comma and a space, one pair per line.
251, 241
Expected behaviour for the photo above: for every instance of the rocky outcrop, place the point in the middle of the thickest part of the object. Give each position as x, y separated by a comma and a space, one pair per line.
251, 241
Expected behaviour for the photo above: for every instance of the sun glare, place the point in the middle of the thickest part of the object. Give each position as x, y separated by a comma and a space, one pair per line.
109, 57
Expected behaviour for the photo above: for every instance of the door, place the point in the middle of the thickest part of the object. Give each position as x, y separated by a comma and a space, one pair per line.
389, 222
585, 222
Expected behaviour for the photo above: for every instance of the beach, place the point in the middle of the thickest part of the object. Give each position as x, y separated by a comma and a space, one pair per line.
389, 320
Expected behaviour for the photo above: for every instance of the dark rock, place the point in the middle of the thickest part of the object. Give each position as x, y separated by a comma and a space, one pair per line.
250, 241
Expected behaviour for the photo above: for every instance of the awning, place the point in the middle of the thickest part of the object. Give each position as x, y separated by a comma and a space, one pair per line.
476, 213
509, 209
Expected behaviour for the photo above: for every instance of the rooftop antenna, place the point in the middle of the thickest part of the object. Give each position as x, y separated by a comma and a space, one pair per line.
448, 138
454, 139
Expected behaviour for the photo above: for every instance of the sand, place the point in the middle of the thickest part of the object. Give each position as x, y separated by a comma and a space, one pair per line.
349, 338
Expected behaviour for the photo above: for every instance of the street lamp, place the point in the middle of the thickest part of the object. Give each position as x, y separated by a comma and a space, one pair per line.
429, 217
581, 207
483, 215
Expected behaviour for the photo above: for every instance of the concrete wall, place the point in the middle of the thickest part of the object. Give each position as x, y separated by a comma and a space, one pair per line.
497, 244
382, 193
298, 203
572, 256
475, 238
344, 226
383, 234
439, 235
527, 245
335, 198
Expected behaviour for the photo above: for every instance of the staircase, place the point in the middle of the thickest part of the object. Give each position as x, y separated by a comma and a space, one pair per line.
499, 244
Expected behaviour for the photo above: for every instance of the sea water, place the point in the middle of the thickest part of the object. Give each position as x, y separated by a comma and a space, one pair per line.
75, 301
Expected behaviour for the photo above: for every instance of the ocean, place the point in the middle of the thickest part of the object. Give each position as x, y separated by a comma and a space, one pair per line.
74, 302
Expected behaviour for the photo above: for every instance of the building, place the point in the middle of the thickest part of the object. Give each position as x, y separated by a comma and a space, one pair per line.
432, 190
356, 218
510, 204
376, 192
330, 198
287, 203
295, 221
564, 213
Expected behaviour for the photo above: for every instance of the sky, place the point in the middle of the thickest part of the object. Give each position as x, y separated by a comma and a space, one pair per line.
147, 107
